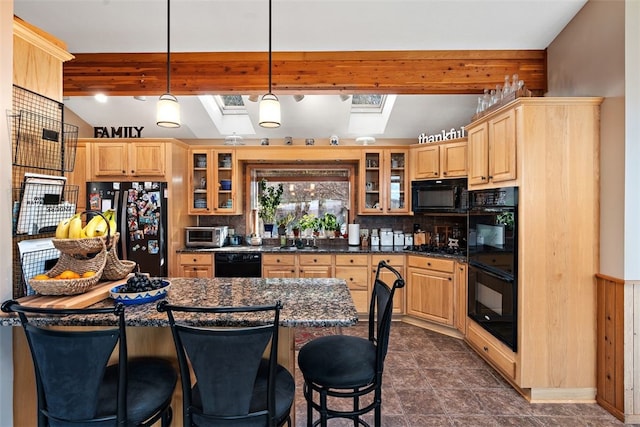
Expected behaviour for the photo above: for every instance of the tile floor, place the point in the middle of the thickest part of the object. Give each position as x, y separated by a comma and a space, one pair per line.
435, 380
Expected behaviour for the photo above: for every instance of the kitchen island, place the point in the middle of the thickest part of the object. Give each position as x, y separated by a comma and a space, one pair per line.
306, 302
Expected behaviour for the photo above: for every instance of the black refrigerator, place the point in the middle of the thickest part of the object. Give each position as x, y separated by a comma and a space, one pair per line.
141, 210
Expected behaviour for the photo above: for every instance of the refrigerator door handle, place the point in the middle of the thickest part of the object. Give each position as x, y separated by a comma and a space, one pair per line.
121, 206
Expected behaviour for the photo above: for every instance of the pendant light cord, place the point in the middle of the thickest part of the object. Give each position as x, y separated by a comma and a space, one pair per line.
269, 46
168, 46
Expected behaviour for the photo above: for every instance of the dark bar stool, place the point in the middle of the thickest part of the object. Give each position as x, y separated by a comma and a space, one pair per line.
341, 366
75, 385
234, 384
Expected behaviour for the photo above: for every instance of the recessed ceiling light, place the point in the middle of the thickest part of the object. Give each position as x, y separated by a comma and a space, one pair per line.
101, 97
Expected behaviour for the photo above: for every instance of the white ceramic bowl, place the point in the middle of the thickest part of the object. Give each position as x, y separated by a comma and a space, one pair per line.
133, 298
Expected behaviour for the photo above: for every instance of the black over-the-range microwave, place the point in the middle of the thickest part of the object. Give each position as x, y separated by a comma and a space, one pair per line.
440, 196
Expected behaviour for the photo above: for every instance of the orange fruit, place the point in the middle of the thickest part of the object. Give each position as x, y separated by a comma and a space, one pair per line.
68, 274
88, 274
41, 277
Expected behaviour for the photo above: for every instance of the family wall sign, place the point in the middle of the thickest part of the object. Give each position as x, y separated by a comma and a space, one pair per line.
117, 132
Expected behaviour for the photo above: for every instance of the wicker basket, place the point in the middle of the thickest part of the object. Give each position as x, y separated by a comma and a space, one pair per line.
87, 245
76, 263
115, 268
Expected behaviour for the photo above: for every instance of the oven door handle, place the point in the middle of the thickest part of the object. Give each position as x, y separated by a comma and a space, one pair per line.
491, 271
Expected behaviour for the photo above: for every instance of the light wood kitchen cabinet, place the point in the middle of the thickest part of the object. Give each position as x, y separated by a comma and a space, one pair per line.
315, 265
460, 295
384, 182
397, 262
128, 160
213, 182
558, 155
279, 265
443, 160
78, 176
195, 265
355, 270
430, 293
492, 150
495, 352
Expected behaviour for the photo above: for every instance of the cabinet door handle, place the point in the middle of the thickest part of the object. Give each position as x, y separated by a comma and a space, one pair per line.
293, 271
486, 349
351, 279
490, 176
444, 173
483, 178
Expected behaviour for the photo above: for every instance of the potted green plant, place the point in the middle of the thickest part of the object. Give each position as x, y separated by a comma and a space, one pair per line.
310, 222
269, 198
330, 224
284, 222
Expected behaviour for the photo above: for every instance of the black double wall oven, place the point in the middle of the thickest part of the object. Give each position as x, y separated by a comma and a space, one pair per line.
493, 262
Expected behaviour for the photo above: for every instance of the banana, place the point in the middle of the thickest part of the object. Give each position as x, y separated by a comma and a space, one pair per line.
110, 214
62, 230
90, 228
75, 227
101, 228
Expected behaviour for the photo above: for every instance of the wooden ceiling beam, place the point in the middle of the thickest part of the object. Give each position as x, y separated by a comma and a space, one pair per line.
400, 72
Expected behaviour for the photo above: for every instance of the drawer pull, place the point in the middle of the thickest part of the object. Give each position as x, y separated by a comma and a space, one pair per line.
315, 260
486, 349
429, 264
351, 261
278, 260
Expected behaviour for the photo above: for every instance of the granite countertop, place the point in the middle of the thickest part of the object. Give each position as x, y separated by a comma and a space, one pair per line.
342, 249
306, 302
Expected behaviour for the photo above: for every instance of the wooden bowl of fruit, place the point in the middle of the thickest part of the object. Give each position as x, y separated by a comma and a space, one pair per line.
140, 289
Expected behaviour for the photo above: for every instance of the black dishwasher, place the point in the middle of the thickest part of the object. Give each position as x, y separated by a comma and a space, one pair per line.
237, 264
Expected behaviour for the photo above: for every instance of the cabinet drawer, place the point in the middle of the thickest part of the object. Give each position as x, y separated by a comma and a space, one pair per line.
195, 259
314, 259
392, 260
445, 265
279, 259
492, 351
356, 260
356, 277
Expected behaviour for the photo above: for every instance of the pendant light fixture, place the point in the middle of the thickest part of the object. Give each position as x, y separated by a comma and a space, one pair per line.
269, 105
168, 109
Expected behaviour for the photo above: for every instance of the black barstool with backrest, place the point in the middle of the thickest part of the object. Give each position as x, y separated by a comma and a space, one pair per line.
75, 383
342, 366
235, 385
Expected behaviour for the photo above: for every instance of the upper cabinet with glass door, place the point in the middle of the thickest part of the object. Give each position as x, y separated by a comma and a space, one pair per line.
384, 182
214, 187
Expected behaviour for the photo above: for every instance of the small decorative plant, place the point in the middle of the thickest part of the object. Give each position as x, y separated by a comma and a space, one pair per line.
329, 222
310, 222
269, 198
284, 222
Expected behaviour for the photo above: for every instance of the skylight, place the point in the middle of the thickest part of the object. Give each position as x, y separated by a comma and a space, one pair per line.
230, 104
367, 103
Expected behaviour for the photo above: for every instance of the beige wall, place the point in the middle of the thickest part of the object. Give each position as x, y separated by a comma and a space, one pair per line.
6, 276
588, 59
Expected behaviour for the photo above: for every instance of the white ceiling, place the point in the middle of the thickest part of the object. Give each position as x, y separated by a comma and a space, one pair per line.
96, 26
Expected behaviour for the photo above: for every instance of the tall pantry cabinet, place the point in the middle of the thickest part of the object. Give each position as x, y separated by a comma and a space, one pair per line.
556, 160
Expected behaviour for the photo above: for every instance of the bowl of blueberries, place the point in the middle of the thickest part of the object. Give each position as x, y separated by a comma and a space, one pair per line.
140, 289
